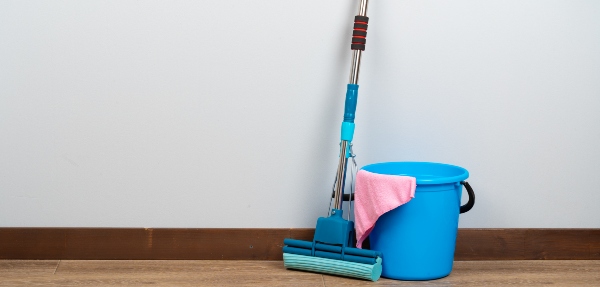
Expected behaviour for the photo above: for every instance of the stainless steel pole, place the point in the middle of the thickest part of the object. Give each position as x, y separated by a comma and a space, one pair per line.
343, 161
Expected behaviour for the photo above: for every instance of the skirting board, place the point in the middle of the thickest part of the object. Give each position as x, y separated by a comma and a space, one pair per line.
265, 244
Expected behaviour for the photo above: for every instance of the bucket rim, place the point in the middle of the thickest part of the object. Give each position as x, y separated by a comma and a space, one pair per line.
428, 181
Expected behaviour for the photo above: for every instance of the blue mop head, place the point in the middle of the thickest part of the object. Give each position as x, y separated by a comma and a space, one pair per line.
330, 251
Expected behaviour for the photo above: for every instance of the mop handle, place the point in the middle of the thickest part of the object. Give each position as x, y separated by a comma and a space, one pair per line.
359, 35
359, 39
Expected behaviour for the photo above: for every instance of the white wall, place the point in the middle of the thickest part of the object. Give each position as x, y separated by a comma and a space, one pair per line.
227, 113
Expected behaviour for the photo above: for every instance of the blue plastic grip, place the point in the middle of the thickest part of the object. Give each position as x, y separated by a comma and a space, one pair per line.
350, 107
347, 131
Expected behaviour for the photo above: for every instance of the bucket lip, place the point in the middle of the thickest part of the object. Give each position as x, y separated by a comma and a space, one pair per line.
440, 180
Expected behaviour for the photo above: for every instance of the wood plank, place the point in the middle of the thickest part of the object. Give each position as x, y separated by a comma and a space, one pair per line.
182, 273
165, 243
594, 245
501, 273
559, 244
265, 244
140, 243
27, 267
107, 243
490, 244
32, 243
272, 273
183, 279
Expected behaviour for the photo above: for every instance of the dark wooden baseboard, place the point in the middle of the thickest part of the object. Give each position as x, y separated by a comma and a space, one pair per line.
265, 244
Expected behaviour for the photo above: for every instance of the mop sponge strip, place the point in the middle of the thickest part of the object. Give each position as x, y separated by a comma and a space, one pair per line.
331, 266
329, 255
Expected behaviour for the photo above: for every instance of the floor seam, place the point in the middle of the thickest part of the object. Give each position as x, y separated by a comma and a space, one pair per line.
323, 279
57, 264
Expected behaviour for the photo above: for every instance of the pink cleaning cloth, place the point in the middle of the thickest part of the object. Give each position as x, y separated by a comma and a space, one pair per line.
377, 194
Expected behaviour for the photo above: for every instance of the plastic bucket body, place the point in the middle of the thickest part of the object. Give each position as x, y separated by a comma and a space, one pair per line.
418, 239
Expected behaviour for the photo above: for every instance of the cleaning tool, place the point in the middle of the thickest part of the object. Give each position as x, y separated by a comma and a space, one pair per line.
330, 251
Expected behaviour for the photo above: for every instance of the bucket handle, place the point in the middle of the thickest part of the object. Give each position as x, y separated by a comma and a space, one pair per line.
471, 201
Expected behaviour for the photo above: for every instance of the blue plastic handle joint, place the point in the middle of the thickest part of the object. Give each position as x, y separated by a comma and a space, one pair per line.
350, 107
349, 112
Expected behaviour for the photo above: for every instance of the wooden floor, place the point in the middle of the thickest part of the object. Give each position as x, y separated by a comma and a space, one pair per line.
272, 273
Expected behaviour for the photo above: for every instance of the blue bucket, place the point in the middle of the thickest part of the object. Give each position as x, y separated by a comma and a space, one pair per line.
418, 238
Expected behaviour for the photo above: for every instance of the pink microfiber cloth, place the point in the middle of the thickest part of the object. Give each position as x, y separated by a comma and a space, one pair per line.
377, 194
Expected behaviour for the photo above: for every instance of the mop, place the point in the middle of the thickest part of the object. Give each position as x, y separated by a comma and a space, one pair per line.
330, 251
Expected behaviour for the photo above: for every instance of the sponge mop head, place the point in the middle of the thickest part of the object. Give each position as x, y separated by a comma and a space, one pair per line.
370, 272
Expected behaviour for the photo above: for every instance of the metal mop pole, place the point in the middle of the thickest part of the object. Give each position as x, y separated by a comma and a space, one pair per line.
358, 45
